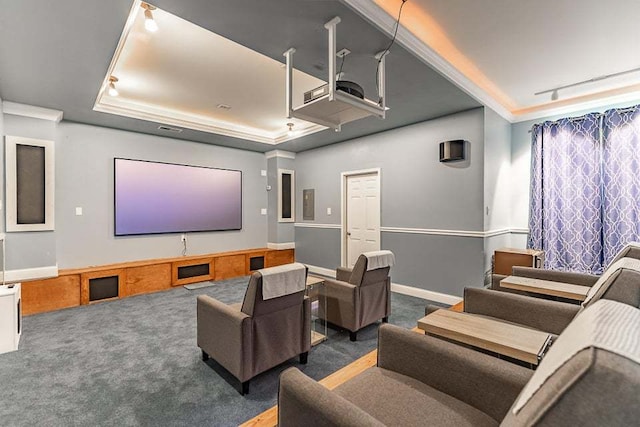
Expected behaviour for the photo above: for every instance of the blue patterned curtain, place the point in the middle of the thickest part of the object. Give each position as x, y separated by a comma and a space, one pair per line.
621, 180
566, 198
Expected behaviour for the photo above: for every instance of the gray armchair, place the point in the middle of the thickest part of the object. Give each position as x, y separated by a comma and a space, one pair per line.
623, 285
249, 338
421, 380
359, 297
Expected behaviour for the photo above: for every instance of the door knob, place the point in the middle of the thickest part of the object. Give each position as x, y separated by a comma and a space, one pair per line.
348, 233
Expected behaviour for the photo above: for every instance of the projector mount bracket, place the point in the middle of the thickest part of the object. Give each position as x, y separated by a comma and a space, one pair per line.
336, 107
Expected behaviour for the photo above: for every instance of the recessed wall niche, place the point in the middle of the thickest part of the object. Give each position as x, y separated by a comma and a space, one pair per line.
30, 174
286, 195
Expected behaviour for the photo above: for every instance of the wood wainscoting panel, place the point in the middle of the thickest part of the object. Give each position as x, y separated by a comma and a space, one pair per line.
52, 294
281, 257
143, 280
175, 281
226, 267
250, 255
71, 287
85, 277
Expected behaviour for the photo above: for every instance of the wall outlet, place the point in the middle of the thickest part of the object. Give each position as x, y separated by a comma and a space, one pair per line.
263, 172
183, 238
328, 211
78, 211
263, 211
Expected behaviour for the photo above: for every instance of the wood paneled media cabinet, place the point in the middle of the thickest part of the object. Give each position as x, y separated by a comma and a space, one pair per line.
506, 258
82, 286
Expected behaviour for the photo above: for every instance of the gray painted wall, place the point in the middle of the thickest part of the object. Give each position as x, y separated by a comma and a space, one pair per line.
497, 182
417, 191
84, 165
318, 246
278, 232
35, 248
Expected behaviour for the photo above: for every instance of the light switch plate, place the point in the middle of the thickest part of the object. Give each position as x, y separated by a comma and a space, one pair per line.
263, 211
263, 172
78, 211
328, 211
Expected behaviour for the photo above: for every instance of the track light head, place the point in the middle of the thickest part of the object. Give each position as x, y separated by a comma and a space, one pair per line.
149, 23
112, 86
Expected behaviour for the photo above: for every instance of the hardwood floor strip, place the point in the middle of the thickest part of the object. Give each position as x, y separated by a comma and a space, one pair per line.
269, 418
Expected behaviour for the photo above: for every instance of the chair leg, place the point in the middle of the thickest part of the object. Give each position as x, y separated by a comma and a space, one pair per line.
353, 336
304, 357
385, 319
244, 388
205, 356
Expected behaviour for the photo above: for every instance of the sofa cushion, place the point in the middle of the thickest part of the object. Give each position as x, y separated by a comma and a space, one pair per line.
395, 399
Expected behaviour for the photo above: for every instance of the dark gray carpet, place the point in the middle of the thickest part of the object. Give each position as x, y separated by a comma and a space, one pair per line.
135, 361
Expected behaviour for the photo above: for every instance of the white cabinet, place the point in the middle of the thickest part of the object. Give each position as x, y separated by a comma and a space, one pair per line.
10, 317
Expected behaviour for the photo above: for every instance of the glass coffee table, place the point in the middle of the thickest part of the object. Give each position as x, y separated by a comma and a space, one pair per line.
316, 291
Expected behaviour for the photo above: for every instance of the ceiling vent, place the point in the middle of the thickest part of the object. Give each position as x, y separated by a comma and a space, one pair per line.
169, 129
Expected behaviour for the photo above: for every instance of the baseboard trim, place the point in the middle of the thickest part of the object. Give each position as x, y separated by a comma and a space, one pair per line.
280, 246
425, 294
398, 288
12, 276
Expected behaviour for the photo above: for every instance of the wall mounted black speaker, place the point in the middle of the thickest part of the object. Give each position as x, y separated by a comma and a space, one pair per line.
452, 150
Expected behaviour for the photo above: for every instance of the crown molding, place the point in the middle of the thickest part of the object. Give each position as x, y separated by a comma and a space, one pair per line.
32, 111
280, 153
592, 104
381, 19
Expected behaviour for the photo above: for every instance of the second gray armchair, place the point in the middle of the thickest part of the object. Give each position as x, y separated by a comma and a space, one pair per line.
262, 332
360, 296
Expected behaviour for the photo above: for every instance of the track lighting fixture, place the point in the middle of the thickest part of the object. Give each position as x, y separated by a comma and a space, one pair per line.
554, 91
112, 86
149, 23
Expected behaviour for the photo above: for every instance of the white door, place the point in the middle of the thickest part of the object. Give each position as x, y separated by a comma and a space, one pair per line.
362, 214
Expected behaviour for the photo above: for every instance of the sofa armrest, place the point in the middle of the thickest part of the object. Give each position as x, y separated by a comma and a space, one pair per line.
430, 308
495, 281
343, 274
581, 279
482, 381
541, 314
302, 401
225, 334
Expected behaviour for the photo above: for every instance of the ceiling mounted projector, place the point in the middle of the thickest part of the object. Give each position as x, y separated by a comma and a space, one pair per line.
351, 88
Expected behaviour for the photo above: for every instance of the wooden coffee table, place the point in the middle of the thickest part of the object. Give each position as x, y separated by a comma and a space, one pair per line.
546, 287
517, 342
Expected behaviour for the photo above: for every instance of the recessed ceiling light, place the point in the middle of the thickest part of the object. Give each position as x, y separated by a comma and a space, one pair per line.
223, 106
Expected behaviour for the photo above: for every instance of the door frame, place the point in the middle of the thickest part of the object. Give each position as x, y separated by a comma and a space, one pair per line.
343, 206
